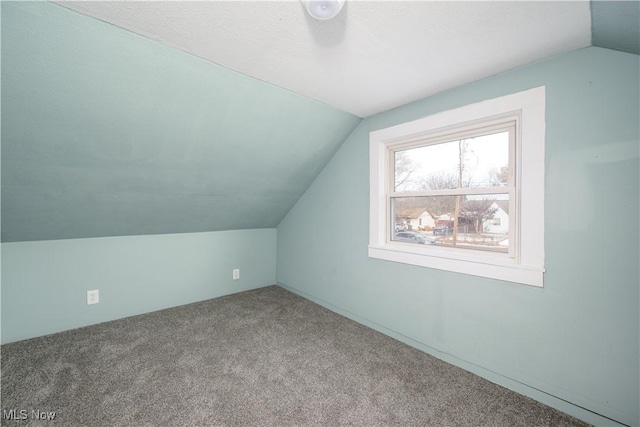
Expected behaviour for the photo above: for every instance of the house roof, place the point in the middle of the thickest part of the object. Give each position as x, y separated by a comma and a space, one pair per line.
410, 212
503, 204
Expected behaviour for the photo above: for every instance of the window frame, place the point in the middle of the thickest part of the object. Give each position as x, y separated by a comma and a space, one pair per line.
525, 261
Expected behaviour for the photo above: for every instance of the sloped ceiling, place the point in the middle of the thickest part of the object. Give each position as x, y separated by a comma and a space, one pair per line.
107, 133
171, 117
616, 25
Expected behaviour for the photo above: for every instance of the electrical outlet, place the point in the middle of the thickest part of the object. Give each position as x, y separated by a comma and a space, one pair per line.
93, 297
236, 273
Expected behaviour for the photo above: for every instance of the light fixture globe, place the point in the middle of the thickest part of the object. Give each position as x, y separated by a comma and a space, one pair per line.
323, 9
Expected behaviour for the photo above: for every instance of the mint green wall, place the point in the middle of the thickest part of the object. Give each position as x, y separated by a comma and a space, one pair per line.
107, 133
577, 339
44, 283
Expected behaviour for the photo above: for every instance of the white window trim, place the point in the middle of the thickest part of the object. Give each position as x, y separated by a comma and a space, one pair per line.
527, 267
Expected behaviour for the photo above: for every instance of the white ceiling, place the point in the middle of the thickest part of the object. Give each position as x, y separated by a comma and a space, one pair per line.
374, 56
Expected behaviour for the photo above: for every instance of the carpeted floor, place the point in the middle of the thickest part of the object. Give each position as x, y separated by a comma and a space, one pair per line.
260, 358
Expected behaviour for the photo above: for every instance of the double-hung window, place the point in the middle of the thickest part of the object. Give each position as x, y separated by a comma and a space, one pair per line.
463, 190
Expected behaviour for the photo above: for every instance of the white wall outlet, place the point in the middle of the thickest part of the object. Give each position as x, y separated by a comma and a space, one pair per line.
93, 297
236, 273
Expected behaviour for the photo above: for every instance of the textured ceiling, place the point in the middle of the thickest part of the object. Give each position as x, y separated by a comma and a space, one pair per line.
374, 56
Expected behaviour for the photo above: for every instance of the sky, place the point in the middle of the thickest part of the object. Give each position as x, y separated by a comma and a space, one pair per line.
483, 155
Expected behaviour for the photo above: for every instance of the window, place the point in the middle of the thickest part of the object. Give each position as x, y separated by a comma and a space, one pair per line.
468, 184
460, 180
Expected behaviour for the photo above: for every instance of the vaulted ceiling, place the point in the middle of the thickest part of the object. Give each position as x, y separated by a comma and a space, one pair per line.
167, 117
374, 56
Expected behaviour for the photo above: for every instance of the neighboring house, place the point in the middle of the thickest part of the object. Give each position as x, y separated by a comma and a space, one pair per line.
415, 218
423, 221
404, 215
500, 222
444, 220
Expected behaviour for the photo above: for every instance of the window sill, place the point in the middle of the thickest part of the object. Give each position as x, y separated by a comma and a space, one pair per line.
493, 267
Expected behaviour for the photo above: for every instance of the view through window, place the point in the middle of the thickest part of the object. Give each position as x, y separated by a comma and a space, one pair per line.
455, 191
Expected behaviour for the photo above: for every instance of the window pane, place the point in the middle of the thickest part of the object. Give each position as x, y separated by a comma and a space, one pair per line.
482, 221
482, 161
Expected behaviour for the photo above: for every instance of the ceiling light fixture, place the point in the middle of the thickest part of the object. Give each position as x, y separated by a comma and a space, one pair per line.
323, 9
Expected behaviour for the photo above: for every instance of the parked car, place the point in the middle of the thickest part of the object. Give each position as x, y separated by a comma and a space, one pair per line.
400, 227
413, 237
443, 230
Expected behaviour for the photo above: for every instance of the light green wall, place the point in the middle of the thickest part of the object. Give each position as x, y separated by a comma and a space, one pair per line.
108, 133
575, 340
44, 283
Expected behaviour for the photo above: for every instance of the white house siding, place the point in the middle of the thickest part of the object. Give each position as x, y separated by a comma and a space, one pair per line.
499, 223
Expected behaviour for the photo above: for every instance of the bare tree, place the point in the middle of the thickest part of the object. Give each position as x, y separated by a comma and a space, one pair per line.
478, 211
439, 181
503, 175
404, 169
496, 178
438, 205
